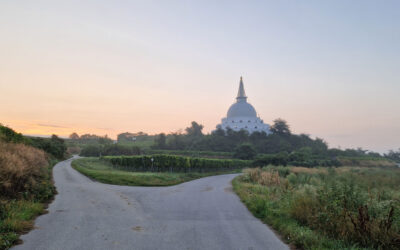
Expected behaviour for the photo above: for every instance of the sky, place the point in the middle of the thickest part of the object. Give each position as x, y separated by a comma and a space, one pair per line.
331, 69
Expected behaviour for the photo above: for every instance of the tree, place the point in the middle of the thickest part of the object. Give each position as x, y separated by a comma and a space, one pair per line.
393, 155
218, 132
280, 127
176, 141
105, 140
57, 147
54, 145
195, 130
74, 136
245, 151
161, 141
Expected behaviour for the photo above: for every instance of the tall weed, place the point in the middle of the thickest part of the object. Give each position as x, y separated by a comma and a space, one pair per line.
23, 171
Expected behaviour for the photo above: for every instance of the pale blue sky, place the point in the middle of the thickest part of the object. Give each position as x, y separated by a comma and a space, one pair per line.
330, 68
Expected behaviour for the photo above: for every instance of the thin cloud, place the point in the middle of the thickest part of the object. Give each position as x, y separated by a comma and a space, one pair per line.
50, 125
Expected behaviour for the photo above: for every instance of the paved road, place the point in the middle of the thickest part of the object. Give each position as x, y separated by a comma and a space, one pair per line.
201, 214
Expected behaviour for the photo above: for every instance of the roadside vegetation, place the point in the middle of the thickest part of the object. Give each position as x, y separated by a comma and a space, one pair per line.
173, 163
103, 171
280, 147
25, 181
326, 208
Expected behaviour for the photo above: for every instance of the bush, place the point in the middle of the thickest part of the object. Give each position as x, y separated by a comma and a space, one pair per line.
245, 152
172, 163
23, 172
54, 145
9, 135
92, 150
295, 159
280, 159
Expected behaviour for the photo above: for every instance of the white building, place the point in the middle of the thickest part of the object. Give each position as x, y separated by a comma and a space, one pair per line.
242, 115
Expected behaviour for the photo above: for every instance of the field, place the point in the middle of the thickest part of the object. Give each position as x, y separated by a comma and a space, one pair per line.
326, 208
104, 172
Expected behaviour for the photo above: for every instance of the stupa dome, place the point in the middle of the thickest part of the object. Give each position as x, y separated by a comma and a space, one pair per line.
241, 109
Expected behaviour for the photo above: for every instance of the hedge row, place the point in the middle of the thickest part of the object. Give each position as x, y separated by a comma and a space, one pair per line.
191, 153
113, 149
173, 163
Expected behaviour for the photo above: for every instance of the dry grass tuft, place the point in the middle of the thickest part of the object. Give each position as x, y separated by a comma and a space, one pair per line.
21, 168
297, 170
264, 178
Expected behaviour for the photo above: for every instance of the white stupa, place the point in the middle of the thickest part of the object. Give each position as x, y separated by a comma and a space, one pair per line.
242, 115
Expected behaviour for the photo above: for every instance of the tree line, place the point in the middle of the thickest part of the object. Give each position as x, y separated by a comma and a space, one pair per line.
245, 145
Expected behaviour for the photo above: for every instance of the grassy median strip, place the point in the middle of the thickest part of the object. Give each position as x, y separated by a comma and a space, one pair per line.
103, 171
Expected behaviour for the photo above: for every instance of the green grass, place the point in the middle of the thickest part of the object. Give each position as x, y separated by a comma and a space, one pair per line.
323, 208
17, 215
102, 171
17, 218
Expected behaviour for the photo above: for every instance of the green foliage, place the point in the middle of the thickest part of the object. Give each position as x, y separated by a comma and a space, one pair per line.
229, 140
97, 150
91, 150
172, 163
302, 157
16, 217
161, 141
301, 150
89, 139
280, 159
9, 135
195, 130
54, 146
245, 151
326, 208
280, 127
394, 155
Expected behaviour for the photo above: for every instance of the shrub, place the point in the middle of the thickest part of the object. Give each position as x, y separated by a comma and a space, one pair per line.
91, 150
280, 159
54, 145
9, 135
245, 152
23, 172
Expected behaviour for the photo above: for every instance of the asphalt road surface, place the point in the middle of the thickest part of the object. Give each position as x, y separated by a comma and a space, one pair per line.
201, 214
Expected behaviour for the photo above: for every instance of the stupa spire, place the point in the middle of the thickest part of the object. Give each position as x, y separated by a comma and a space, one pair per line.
241, 96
